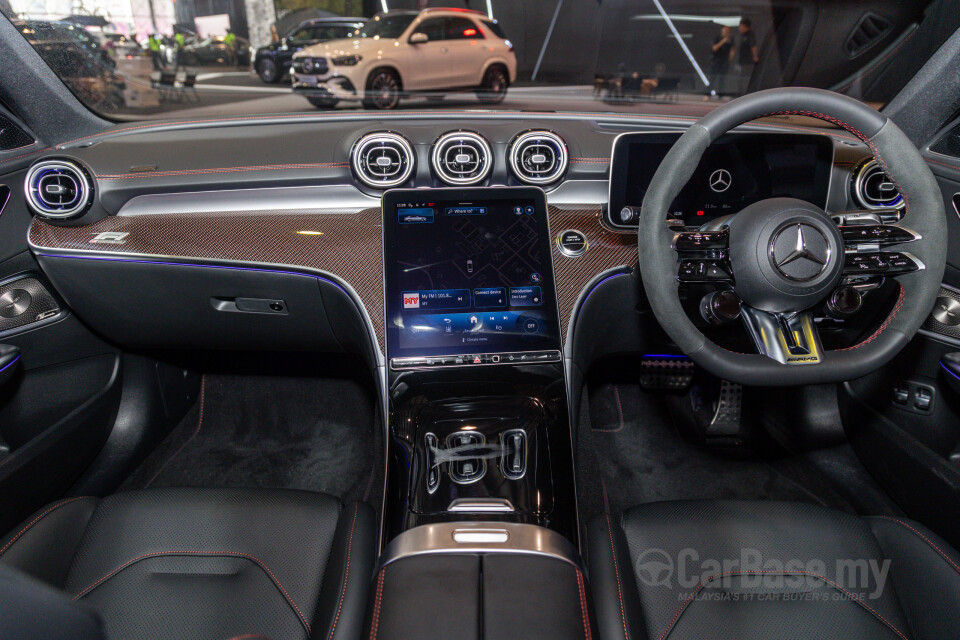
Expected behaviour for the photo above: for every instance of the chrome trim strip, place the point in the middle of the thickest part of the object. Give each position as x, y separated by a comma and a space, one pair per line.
438, 538
481, 505
322, 199
344, 198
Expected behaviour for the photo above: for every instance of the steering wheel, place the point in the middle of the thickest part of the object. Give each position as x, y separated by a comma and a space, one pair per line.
784, 257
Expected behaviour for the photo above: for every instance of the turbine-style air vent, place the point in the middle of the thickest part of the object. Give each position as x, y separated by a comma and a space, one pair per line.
383, 160
873, 189
462, 158
538, 157
58, 189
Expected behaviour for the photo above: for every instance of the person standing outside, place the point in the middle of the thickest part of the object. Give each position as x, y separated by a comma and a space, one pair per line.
181, 42
720, 55
747, 53
230, 41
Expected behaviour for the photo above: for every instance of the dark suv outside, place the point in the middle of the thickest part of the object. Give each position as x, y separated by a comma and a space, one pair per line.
272, 62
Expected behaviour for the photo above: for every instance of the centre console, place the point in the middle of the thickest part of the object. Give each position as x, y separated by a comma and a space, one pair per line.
479, 425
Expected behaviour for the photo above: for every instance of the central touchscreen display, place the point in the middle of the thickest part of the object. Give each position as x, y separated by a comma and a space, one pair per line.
468, 271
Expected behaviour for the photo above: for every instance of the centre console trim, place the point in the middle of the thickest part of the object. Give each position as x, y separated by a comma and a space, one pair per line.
440, 538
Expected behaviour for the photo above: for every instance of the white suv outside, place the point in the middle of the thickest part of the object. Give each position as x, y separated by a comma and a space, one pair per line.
406, 52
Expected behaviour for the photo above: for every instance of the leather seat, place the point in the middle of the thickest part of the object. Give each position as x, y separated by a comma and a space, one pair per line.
206, 563
742, 569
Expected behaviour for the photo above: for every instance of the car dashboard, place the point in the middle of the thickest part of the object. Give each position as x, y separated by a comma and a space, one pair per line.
280, 199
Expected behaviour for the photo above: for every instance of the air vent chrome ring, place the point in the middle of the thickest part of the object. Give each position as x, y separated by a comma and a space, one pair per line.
462, 158
383, 160
873, 189
538, 157
58, 189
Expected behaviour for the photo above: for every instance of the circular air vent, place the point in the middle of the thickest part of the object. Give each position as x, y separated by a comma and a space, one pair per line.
873, 189
462, 158
58, 189
538, 157
383, 160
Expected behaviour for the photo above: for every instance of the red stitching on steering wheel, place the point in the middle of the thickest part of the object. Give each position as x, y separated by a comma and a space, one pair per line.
886, 169
854, 131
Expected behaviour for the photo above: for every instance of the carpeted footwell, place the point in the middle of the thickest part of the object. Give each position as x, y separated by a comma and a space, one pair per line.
317, 434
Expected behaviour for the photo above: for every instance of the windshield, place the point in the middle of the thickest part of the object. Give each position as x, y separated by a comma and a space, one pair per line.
386, 26
127, 59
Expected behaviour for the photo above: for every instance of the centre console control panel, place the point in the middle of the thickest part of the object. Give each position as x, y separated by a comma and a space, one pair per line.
472, 360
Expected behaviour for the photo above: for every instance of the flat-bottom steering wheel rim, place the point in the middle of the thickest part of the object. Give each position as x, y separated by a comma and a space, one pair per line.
923, 212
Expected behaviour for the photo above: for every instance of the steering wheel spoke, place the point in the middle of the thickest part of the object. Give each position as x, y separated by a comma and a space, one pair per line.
788, 338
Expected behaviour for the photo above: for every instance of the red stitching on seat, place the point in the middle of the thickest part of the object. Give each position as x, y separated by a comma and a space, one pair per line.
235, 554
882, 327
836, 586
583, 604
40, 517
927, 540
616, 569
346, 574
376, 608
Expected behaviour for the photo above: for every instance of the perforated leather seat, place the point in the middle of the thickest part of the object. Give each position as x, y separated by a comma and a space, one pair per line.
741, 569
206, 563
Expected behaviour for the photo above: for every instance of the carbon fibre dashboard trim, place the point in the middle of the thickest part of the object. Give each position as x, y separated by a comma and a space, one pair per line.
345, 246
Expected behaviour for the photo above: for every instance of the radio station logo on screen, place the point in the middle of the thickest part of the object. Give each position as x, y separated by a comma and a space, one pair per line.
411, 300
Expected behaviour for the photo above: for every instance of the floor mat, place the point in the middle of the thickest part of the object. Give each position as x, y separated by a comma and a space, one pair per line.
317, 434
628, 440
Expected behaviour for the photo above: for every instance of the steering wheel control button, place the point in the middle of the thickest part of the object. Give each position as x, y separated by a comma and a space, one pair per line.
800, 252
885, 263
720, 307
572, 243
844, 302
702, 271
686, 241
880, 234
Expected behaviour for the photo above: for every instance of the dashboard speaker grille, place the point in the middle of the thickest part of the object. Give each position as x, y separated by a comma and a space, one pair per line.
58, 189
12, 136
538, 157
945, 317
873, 189
462, 158
383, 160
25, 301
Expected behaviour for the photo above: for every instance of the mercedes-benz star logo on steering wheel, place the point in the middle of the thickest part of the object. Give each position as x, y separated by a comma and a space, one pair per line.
720, 180
798, 256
